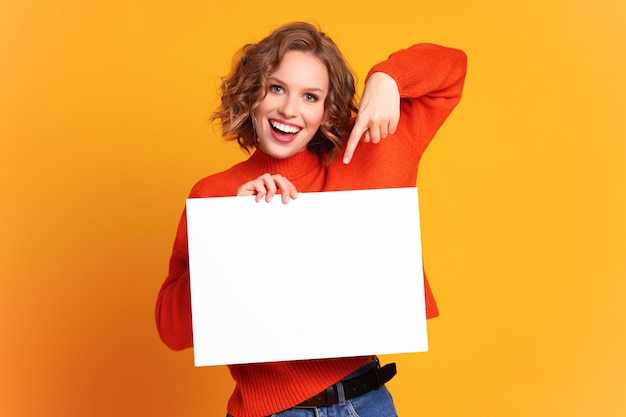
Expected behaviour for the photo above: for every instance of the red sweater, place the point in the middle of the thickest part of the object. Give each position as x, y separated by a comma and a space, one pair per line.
430, 79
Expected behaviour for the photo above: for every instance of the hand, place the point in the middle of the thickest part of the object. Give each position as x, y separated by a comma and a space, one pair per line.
267, 186
379, 112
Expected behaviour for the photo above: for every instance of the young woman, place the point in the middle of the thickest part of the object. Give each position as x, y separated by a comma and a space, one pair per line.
290, 101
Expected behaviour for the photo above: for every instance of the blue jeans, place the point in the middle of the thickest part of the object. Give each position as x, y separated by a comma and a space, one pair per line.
376, 403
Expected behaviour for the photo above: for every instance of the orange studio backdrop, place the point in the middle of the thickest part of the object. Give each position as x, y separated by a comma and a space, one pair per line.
104, 128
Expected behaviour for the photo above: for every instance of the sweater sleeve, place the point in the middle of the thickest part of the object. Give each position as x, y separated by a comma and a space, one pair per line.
430, 79
173, 307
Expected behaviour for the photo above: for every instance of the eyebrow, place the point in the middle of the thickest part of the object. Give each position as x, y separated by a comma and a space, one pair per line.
279, 81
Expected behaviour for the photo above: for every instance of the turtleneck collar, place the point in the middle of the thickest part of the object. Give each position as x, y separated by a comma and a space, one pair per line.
293, 167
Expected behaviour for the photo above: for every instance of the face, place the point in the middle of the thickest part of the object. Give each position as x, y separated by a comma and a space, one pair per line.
288, 117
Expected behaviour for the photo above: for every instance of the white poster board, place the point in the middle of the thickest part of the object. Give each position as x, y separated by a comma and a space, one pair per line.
329, 274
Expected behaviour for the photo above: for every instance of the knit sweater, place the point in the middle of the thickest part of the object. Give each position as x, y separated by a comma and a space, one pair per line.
430, 79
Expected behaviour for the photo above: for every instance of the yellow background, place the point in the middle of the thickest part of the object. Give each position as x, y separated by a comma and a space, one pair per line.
103, 127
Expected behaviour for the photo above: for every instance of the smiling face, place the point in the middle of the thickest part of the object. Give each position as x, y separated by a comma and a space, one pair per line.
291, 112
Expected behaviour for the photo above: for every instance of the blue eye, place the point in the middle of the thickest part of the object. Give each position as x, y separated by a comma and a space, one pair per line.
310, 97
276, 89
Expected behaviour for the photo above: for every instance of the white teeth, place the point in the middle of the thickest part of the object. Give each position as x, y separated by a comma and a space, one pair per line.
284, 128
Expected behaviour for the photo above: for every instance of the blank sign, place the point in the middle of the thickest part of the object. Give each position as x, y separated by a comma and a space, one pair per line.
329, 274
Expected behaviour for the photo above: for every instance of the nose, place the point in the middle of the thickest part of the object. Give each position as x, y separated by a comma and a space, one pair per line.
289, 106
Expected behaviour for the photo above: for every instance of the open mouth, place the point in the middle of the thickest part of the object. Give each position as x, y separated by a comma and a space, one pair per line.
283, 129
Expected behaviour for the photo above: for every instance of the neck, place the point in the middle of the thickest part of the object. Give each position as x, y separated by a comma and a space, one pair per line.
291, 168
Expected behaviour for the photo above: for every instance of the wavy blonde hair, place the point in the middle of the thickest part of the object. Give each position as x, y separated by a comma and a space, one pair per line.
247, 85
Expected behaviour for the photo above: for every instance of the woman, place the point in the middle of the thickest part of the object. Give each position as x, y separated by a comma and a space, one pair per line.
290, 100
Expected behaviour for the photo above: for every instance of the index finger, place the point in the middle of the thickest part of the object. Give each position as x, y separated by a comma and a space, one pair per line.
355, 136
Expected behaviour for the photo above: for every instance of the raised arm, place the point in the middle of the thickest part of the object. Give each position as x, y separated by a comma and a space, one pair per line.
428, 85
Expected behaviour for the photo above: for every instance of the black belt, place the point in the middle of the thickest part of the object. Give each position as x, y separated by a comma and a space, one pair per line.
352, 388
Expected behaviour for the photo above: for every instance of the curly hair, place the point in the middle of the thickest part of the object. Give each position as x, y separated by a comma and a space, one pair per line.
246, 85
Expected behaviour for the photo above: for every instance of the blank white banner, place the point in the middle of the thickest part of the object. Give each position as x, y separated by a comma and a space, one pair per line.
329, 274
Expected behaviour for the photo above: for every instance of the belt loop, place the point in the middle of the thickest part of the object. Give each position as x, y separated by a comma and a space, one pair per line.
341, 395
